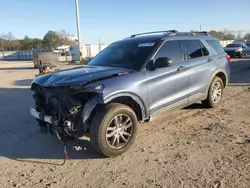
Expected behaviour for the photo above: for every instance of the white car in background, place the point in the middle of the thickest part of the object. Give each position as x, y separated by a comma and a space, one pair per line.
239, 41
237, 49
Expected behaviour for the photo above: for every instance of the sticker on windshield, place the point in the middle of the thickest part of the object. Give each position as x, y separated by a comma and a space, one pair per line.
146, 44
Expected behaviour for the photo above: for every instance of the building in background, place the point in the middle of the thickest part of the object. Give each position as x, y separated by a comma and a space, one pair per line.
89, 51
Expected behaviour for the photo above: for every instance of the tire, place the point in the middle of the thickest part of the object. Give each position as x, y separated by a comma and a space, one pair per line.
104, 123
211, 102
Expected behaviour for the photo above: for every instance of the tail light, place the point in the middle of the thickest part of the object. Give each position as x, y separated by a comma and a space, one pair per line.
228, 58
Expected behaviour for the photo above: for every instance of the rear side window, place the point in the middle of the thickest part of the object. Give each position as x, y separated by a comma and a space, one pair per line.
215, 44
171, 49
204, 50
193, 48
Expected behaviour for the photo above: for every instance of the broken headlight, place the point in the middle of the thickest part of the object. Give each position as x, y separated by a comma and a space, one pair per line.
95, 88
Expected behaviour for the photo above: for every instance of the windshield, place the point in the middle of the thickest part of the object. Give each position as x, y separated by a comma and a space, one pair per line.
127, 54
233, 45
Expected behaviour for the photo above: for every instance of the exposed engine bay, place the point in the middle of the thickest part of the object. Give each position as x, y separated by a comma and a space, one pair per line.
65, 105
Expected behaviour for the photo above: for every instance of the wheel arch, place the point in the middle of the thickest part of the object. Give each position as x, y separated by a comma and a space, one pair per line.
133, 101
221, 74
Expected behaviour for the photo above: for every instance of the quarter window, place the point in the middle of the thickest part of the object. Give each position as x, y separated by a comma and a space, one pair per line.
204, 50
215, 44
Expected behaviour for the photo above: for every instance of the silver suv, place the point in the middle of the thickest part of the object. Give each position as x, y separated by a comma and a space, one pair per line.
127, 83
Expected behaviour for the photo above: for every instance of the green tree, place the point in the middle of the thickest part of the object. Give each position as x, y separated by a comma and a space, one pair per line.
31, 43
26, 43
229, 36
51, 40
220, 35
37, 43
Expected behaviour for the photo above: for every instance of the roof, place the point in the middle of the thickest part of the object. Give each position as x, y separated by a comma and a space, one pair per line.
153, 36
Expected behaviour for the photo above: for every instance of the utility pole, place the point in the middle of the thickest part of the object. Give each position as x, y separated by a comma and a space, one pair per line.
200, 27
78, 31
99, 45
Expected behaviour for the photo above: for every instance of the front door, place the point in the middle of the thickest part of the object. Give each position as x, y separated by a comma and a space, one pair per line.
169, 85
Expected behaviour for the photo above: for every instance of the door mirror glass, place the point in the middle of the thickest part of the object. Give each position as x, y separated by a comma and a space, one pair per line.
162, 62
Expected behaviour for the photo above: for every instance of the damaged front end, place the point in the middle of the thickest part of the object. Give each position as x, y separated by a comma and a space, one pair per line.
65, 110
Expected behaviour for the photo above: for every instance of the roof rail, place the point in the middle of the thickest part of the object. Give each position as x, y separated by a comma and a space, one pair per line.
154, 32
192, 33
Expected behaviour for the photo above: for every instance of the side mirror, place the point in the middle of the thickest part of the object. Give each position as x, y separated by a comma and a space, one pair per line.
150, 65
162, 62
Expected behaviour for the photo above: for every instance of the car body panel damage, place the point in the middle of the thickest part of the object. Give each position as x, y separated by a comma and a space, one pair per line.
88, 109
68, 107
79, 76
128, 82
142, 107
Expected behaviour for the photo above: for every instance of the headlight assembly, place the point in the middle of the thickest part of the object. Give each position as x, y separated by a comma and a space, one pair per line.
95, 88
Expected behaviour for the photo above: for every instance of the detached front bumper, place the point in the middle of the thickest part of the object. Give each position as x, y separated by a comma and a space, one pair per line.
42, 117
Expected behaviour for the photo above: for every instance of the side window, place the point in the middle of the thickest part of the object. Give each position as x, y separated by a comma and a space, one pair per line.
171, 49
204, 50
215, 44
193, 48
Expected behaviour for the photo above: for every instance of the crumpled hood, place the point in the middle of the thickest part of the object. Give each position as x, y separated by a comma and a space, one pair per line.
232, 49
78, 76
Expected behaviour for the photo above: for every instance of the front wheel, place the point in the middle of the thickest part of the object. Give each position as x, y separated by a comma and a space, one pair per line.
113, 129
214, 93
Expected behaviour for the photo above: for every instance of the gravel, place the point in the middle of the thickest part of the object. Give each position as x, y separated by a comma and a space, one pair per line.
192, 147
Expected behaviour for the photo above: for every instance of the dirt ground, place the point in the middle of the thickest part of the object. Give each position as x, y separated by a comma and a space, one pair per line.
192, 147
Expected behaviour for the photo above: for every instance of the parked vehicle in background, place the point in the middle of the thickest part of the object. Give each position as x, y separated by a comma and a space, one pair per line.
246, 49
235, 49
57, 51
127, 83
239, 41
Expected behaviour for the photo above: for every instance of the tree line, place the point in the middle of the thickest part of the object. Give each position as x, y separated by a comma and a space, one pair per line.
51, 40
229, 35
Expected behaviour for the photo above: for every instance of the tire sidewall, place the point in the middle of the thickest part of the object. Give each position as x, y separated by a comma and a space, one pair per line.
104, 146
212, 103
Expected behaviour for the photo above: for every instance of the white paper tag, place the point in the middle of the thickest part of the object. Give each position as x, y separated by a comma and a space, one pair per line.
146, 44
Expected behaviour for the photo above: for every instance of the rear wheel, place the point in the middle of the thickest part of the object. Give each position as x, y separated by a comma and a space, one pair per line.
214, 93
113, 129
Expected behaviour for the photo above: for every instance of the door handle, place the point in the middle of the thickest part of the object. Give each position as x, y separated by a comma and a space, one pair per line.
181, 68
210, 59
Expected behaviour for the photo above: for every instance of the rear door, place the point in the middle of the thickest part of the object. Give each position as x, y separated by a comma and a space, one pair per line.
198, 63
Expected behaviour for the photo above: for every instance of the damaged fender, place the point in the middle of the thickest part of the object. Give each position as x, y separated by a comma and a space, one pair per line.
136, 98
88, 109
